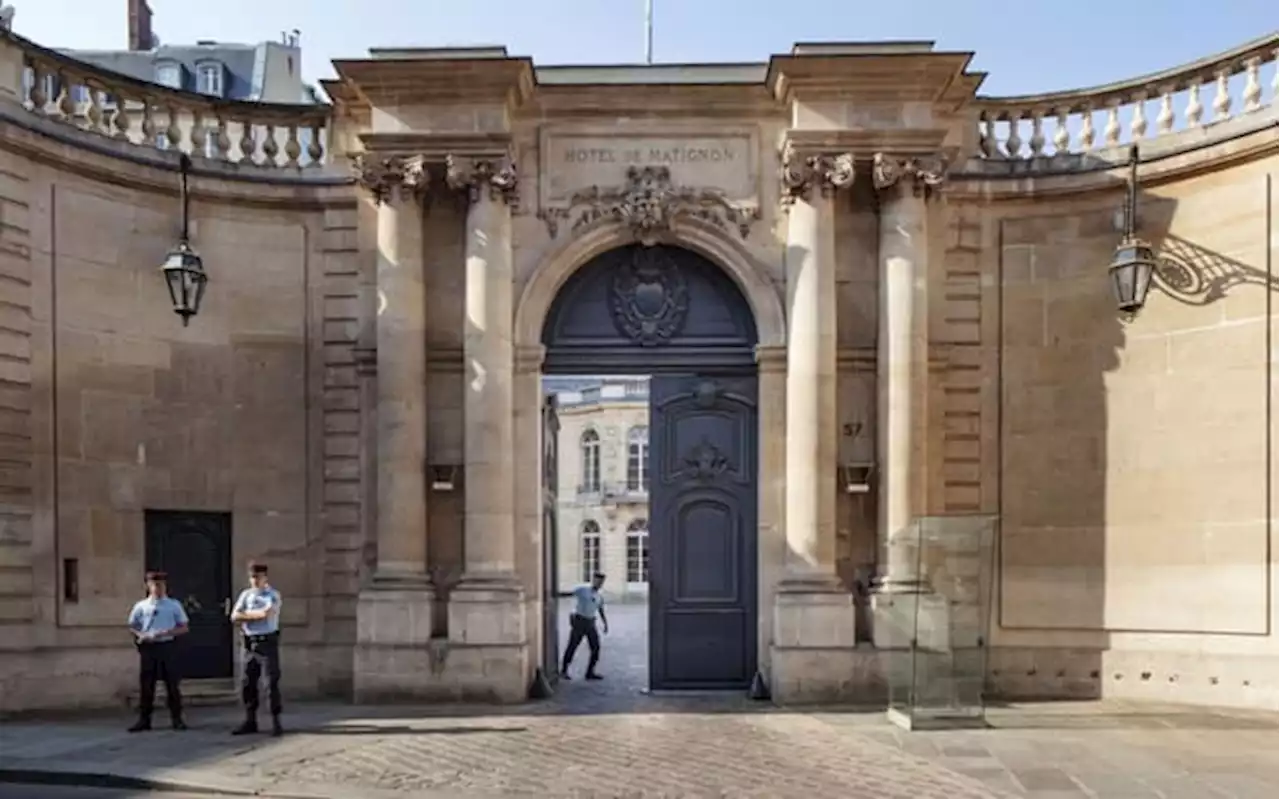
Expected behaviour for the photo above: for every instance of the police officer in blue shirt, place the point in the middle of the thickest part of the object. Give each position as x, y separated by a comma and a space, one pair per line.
257, 610
155, 622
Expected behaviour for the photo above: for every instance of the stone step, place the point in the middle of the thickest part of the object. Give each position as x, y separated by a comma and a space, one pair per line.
197, 693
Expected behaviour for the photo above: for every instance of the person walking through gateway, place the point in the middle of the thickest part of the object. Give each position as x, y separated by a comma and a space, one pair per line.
257, 610
155, 622
587, 604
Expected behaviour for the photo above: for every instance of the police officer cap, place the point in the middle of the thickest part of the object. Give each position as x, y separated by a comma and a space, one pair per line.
157, 576
257, 568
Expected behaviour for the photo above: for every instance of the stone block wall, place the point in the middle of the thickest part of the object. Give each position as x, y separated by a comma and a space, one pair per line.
109, 407
1132, 462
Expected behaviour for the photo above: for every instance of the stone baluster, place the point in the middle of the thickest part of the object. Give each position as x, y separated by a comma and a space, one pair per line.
902, 357
172, 131
1036, 142
487, 607
1086, 128
1111, 133
94, 114
1222, 99
292, 147
315, 148
38, 94
1195, 109
1275, 78
1013, 142
1138, 124
221, 141
397, 185
810, 182
1061, 136
270, 147
1252, 94
148, 124
247, 144
199, 134
66, 105
1165, 119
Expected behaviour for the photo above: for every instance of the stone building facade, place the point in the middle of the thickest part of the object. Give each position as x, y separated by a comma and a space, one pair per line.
845, 268
603, 501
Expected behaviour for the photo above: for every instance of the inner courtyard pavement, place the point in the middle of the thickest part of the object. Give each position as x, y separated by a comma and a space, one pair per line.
611, 739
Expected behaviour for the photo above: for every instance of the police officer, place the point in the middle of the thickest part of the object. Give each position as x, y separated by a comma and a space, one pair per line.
155, 622
257, 610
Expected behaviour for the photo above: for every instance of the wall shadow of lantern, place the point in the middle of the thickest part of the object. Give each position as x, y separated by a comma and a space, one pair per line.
183, 270
1134, 260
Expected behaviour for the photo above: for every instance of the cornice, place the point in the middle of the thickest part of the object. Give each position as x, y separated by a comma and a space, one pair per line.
870, 74
436, 146
410, 81
864, 143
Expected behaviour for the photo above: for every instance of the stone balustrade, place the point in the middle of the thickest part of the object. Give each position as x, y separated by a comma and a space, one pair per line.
58, 87
1074, 123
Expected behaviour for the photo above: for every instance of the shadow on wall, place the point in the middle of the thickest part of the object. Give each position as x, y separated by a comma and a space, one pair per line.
1081, 494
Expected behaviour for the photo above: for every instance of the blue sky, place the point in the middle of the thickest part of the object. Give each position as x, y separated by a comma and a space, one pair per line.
1026, 45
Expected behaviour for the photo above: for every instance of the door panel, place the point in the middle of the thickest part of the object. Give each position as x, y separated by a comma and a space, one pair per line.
702, 595
195, 549
550, 550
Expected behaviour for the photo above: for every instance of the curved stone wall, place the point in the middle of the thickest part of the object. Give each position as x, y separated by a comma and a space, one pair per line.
111, 407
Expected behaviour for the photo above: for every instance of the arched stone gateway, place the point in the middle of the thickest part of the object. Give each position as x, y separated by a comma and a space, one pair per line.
671, 313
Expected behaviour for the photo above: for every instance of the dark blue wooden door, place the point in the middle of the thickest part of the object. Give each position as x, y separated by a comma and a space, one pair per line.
702, 591
194, 547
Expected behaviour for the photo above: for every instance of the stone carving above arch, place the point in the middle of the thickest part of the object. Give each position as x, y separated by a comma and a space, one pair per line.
656, 307
649, 297
648, 203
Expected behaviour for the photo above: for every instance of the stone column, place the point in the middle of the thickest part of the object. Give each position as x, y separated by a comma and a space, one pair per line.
901, 611
813, 618
487, 608
394, 610
902, 356
810, 183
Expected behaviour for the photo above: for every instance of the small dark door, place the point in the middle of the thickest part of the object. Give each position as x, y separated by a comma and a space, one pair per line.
194, 547
550, 549
702, 590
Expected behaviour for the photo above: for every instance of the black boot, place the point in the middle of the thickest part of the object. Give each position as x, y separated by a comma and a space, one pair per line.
178, 723
247, 727
141, 725
276, 728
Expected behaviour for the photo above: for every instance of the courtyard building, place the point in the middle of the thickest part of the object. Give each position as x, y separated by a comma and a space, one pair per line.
943, 393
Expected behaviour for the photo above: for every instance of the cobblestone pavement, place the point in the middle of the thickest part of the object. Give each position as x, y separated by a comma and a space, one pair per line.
610, 739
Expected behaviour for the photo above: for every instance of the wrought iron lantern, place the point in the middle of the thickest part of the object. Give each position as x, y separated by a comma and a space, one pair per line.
183, 270
1134, 260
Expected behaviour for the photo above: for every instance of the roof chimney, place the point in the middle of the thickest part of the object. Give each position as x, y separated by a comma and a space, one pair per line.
140, 36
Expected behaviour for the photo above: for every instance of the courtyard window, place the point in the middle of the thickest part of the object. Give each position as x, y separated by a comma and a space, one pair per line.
169, 74
638, 551
638, 459
590, 462
590, 550
209, 78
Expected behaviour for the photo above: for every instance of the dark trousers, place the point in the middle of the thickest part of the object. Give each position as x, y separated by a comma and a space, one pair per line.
581, 627
158, 662
261, 653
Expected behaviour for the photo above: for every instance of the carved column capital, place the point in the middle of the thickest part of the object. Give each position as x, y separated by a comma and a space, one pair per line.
497, 176
392, 178
922, 175
529, 359
802, 173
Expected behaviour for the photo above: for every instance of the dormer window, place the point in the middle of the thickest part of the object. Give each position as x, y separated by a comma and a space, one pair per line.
209, 79
169, 75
